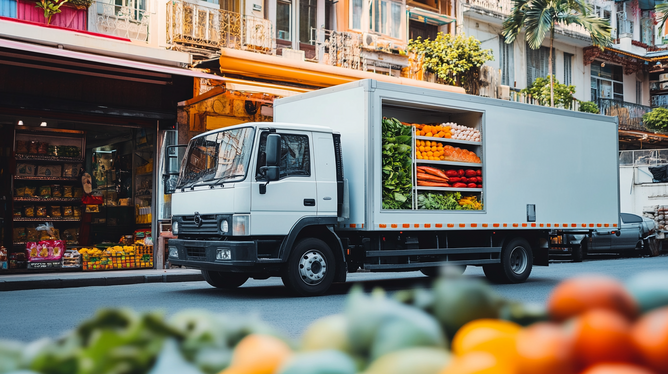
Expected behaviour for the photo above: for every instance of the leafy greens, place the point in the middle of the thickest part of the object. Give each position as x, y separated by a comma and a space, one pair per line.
397, 164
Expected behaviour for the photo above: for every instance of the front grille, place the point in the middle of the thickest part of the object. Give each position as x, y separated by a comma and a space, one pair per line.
209, 225
196, 253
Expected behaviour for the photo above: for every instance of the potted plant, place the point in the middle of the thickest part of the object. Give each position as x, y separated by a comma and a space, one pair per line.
588, 107
540, 90
657, 119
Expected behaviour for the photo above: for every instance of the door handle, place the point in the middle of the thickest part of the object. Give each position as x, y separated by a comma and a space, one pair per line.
309, 202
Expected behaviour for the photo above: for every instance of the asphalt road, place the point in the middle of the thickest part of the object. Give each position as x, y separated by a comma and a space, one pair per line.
32, 314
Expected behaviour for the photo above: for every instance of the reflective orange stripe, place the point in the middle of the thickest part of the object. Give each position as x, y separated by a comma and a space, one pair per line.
462, 225
514, 225
505, 225
406, 225
524, 225
362, 226
533, 225
416, 225
584, 225
598, 225
495, 225
484, 225
427, 225
382, 225
451, 225
474, 225
394, 225
439, 225
573, 225
591, 225
607, 225
549, 225
352, 225
614, 225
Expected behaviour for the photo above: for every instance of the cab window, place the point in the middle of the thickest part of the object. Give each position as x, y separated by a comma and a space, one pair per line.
295, 156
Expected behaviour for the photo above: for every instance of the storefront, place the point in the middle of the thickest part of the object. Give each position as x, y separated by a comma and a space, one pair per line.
81, 138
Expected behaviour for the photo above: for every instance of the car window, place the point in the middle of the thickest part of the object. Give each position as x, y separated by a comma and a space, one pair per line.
630, 218
295, 156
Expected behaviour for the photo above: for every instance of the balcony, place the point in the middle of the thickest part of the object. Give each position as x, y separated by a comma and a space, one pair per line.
197, 29
501, 9
124, 21
629, 114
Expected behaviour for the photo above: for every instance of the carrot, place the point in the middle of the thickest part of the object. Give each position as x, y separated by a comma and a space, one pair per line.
430, 177
434, 171
432, 184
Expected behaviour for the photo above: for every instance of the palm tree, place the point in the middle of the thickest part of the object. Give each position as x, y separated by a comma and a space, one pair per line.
540, 16
663, 9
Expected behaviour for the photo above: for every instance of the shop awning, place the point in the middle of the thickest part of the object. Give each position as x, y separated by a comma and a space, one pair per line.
429, 17
116, 65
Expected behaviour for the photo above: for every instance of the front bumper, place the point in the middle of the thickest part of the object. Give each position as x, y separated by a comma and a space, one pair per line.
202, 254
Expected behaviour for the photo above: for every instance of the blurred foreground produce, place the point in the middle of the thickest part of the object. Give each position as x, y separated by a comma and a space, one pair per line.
592, 324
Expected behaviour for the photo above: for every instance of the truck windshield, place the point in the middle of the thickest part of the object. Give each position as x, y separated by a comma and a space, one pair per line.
217, 158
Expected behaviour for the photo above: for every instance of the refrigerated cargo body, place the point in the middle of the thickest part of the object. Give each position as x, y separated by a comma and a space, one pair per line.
318, 208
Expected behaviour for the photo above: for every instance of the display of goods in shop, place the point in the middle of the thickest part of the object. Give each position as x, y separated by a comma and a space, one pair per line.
590, 324
396, 164
45, 250
72, 259
144, 256
438, 151
429, 176
111, 258
448, 130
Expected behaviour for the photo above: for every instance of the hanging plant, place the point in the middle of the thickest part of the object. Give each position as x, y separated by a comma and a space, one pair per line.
80, 4
50, 7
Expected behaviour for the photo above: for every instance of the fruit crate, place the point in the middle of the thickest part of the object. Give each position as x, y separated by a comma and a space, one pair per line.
113, 261
144, 256
71, 259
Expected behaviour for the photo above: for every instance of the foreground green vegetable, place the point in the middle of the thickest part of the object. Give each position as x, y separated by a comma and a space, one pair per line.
439, 201
397, 182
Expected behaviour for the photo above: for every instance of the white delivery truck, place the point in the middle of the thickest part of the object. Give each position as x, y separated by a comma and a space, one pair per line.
384, 177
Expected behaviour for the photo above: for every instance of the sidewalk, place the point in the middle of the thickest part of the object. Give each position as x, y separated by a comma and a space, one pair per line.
25, 281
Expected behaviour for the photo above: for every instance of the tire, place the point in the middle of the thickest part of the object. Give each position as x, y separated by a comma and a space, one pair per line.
651, 247
310, 269
516, 263
435, 271
223, 280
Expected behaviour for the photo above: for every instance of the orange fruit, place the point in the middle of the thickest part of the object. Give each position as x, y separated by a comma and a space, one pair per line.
650, 338
494, 336
582, 293
258, 354
476, 363
544, 348
612, 368
601, 335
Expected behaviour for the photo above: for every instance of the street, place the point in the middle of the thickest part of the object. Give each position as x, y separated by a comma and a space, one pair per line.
32, 314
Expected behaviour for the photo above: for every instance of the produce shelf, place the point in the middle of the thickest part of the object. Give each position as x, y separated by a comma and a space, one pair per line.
452, 189
21, 157
49, 200
447, 140
47, 219
64, 179
449, 163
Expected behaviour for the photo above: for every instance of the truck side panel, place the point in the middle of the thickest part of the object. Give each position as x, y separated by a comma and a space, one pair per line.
564, 163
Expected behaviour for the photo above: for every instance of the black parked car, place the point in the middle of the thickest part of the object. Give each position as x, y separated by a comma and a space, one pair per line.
636, 236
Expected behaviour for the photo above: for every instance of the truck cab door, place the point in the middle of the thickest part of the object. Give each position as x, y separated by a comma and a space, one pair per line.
293, 196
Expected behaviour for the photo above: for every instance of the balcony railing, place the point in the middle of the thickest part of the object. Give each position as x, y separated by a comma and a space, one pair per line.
126, 21
629, 114
203, 27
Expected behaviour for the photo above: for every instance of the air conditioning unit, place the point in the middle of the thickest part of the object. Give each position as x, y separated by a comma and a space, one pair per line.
369, 41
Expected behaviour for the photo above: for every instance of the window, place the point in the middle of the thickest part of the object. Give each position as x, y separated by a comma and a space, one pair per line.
284, 20
357, 14
307, 19
538, 63
507, 62
295, 156
385, 17
647, 28
606, 81
568, 69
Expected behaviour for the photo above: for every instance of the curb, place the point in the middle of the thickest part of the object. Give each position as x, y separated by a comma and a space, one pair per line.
91, 282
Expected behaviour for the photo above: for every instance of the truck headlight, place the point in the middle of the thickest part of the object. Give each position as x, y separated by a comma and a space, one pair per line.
175, 228
224, 226
173, 252
241, 225
223, 254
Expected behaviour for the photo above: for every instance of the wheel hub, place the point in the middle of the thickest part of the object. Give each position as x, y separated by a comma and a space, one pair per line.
518, 260
312, 267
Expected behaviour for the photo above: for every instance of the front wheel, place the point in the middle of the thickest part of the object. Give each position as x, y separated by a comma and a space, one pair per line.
310, 269
223, 280
516, 263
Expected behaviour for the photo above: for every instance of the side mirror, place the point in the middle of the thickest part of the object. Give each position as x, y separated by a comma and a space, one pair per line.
173, 156
273, 149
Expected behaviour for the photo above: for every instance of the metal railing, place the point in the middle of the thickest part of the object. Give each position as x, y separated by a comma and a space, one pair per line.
644, 157
629, 114
126, 21
204, 27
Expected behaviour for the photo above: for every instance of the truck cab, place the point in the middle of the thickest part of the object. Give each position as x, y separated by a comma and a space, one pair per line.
247, 194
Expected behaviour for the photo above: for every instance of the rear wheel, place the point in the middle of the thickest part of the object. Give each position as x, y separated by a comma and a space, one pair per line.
310, 269
223, 280
516, 263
